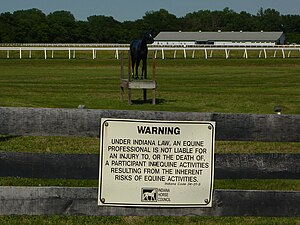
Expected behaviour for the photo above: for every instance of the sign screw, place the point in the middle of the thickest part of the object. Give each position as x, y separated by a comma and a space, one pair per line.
209, 127
206, 201
103, 200
106, 124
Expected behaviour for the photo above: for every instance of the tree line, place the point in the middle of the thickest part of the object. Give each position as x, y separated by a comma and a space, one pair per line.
34, 26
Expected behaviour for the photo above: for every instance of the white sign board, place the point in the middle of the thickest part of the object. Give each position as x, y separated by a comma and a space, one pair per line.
156, 163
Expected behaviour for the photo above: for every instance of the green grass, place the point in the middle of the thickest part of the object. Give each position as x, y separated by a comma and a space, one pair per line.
241, 184
216, 85
149, 220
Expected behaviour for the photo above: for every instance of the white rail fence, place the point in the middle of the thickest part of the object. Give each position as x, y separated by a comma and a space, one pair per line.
284, 51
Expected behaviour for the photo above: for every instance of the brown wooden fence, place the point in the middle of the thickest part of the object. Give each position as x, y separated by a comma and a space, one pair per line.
83, 201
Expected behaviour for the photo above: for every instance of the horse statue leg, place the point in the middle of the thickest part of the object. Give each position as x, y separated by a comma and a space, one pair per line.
132, 67
144, 69
137, 69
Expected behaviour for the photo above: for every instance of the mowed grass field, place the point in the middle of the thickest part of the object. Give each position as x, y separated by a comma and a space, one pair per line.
215, 85
189, 85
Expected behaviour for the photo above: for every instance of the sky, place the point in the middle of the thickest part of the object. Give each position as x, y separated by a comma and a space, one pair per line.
131, 10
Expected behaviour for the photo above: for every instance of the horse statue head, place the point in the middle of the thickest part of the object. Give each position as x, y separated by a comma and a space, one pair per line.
138, 52
148, 37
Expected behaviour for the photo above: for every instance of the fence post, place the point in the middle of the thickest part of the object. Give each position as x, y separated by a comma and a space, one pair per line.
246, 54
117, 54
45, 53
283, 54
162, 54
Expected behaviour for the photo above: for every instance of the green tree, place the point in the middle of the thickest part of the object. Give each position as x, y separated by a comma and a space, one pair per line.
197, 20
29, 26
62, 27
81, 33
104, 29
32, 25
160, 20
245, 21
6, 23
291, 28
269, 20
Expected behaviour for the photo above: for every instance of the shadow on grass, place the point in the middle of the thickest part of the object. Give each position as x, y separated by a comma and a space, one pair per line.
158, 101
4, 138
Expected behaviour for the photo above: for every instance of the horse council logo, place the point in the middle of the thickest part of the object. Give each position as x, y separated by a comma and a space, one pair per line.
149, 194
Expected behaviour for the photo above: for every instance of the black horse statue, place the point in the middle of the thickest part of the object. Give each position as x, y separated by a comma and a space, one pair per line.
138, 52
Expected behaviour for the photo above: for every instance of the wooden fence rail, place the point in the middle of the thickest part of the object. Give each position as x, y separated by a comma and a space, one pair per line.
83, 201
85, 122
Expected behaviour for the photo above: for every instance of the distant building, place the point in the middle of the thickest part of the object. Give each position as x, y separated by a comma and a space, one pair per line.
220, 38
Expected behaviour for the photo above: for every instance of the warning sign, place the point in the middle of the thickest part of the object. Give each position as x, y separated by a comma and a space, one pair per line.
156, 163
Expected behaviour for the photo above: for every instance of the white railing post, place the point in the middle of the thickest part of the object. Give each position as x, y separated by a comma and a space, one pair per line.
45, 53
246, 54
117, 53
95, 53
162, 54
265, 52
226, 53
283, 54
205, 53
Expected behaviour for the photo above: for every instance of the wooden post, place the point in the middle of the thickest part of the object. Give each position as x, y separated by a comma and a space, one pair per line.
136, 84
154, 78
129, 66
145, 94
129, 77
122, 77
